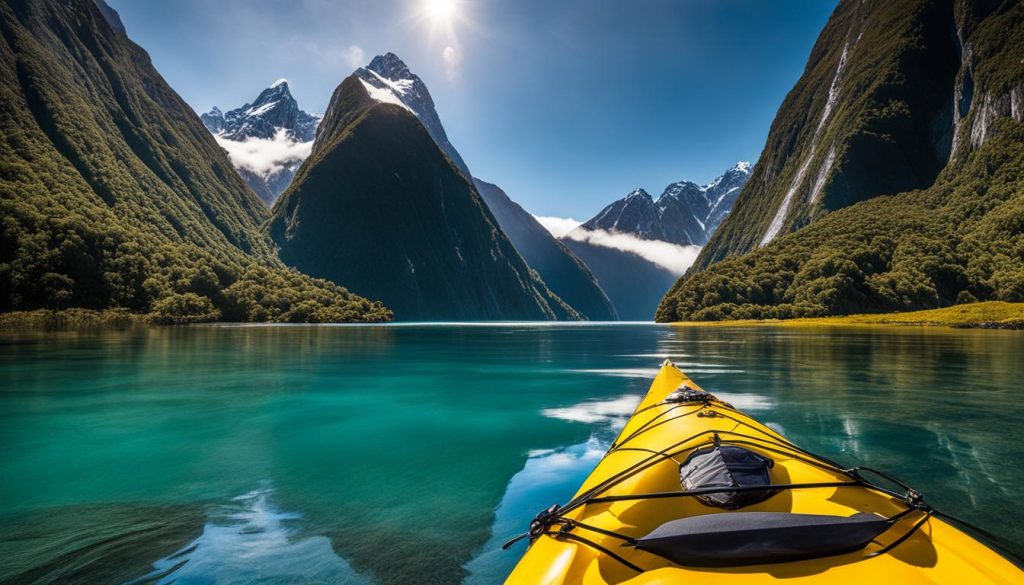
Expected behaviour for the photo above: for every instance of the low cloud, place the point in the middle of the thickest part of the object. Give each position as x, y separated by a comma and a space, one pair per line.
672, 257
266, 156
558, 226
354, 56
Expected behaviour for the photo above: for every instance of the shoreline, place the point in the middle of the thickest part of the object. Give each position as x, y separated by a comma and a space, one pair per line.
984, 315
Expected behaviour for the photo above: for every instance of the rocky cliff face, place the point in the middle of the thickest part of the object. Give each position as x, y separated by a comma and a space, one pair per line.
919, 100
879, 110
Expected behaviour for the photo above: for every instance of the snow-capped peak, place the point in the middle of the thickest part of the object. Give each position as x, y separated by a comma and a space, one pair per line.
266, 139
389, 65
385, 95
684, 214
638, 192
387, 79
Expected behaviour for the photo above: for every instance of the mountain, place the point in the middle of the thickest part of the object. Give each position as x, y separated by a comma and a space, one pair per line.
612, 242
564, 273
633, 214
114, 196
685, 213
111, 16
387, 79
381, 207
634, 284
872, 115
267, 140
891, 177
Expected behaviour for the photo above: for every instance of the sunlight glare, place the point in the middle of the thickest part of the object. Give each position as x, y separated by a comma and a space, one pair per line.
442, 11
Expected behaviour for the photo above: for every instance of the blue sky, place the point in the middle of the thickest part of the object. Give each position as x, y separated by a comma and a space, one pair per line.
566, 104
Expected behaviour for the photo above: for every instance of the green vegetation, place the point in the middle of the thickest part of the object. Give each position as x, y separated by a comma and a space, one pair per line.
114, 199
924, 204
960, 241
887, 130
70, 319
986, 315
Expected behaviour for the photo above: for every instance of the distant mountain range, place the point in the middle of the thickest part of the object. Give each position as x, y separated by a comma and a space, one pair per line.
267, 140
891, 179
388, 80
685, 213
634, 245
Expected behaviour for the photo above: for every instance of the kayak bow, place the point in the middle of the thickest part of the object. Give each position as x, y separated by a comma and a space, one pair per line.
694, 491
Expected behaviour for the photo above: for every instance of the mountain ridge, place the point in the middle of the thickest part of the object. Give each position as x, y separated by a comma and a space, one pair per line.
871, 115
685, 213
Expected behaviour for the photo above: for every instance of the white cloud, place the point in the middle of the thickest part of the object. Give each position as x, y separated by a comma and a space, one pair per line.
672, 257
354, 56
266, 156
558, 226
452, 59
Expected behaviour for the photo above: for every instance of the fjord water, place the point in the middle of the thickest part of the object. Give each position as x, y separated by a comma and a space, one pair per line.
408, 453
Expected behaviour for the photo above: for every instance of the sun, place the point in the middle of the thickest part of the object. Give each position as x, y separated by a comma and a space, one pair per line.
441, 11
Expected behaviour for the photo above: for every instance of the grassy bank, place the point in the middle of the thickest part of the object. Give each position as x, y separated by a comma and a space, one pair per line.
987, 315
70, 320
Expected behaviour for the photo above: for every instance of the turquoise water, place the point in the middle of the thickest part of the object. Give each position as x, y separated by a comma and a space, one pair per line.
407, 454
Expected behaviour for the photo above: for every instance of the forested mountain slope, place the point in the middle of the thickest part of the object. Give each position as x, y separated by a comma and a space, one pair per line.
114, 195
879, 110
958, 239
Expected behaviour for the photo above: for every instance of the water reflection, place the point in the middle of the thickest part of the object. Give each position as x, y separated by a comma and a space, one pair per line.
614, 411
549, 476
409, 453
251, 541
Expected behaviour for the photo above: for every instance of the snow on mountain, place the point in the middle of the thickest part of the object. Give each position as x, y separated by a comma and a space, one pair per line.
388, 79
684, 214
267, 140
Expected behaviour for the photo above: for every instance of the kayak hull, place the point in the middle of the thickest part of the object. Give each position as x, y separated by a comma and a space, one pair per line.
659, 435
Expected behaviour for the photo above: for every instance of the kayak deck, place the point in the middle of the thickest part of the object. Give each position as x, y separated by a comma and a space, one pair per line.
635, 489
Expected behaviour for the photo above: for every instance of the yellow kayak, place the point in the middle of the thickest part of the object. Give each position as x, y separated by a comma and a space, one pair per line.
694, 491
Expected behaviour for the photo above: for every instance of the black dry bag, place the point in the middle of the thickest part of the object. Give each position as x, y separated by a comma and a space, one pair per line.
725, 466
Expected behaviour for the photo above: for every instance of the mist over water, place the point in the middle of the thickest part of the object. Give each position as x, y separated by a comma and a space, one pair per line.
408, 454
